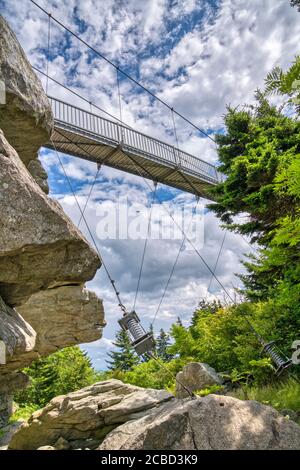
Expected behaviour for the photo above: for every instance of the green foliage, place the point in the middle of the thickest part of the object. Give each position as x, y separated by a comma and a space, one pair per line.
208, 390
282, 395
23, 413
288, 83
124, 358
162, 346
151, 375
60, 373
296, 3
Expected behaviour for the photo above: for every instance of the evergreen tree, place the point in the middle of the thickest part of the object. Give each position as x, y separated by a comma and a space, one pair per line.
205, 307
146, 357
260, 156
162, 344
62, 372
179, 322
295, 3
124, 358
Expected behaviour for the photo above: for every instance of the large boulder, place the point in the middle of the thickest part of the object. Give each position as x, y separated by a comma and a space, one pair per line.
42, 246
64, 316
196, 376
213, 422
26, 116
19, 338
83, 418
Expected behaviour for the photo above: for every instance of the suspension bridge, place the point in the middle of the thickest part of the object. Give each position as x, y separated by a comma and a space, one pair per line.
111, 142
86, 135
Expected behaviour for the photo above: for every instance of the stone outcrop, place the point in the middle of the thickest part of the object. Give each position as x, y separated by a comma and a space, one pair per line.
196, 376
18, 337
42, 246
111, 415
8, 385
63, 317
84, 418
26, 118
213, 422
42, 254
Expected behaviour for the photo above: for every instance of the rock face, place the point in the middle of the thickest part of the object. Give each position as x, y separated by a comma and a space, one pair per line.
8, 385
63, 316
18, 337
196, 376
111, 415
26, 118
213, 422
38, 173
42, 247
83, 418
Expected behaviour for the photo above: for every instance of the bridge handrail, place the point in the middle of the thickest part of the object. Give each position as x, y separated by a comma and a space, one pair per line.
116, 132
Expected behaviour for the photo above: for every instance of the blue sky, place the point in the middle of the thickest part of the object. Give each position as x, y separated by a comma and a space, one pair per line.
198, 56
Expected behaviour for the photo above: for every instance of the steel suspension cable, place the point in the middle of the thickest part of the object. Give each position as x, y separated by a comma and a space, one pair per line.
184, 234
175, 134
145, 246
112, 282
162, 365
48, 53
81, 97
216, 263
121, 305
99, 54
89, 102
89, 195
173, 267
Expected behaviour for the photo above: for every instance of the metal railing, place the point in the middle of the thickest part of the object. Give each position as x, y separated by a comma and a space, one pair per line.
113, 133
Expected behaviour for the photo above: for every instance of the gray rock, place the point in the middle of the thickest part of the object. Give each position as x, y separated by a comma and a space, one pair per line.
26, 118
7, 433
61, 444
18, 337
84, 418
64, 316
9, 383
37, 171
196, 376
42, 246
6, 408
213, 422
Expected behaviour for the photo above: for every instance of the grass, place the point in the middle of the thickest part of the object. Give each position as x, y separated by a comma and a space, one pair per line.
285, 395
23, 412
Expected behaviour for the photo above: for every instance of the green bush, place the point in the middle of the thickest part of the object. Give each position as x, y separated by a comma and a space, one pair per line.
60, 373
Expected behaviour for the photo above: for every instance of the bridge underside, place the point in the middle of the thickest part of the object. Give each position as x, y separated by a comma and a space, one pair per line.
89, 146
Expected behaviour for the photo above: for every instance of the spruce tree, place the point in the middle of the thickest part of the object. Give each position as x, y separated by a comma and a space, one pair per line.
205, 308
124, 358
162, 344
146, 357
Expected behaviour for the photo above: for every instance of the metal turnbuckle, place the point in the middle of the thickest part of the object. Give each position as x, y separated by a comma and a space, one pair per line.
141, 341
281, 363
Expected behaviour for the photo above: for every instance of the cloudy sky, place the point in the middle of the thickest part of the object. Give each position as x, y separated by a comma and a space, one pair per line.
198, 56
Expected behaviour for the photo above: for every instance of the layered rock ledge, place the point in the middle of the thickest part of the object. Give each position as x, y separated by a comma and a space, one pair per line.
111, 415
